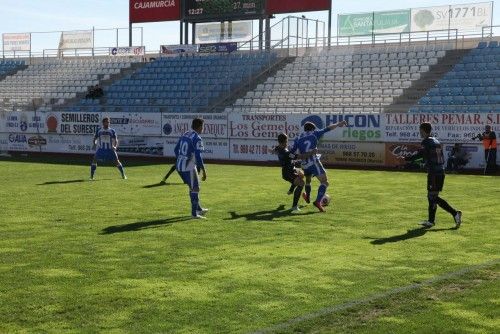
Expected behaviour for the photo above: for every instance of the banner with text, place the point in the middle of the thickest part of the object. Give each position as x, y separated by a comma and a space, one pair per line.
397, 21
218, 47
83, 39
355, 24
175, 125
461, 17
141, 146
448, 128
214, 148
352, 154
180, 48
223, 32
136, 124
268, 126
128, 51
16, 42
72, 123
154, 10
27, 122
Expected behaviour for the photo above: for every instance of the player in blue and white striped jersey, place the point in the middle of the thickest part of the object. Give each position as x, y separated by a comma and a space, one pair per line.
106, 141
188, 153
304, 144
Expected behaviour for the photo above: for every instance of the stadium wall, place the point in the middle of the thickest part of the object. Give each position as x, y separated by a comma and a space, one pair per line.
370, 140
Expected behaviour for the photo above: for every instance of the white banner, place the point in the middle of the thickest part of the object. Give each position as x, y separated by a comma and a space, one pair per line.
74, 123
448, 128
175, 125
140, 146
140, 124
252, 150
354, 153
471, 16
269, 126
27, 122
66, 144
128, 51
237, 31
461, 17
180, 48
214, 148
16, 42
83, 39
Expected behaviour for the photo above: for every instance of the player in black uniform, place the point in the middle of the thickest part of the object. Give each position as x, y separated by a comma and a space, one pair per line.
432, 153
289, 171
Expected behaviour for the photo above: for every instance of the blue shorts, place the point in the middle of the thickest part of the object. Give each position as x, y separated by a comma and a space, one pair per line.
105, 155
316, 169
190, 178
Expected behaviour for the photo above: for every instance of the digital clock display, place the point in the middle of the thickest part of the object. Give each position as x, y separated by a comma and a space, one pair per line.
223, 10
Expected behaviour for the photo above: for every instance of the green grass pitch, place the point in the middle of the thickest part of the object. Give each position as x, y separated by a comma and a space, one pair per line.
122, 256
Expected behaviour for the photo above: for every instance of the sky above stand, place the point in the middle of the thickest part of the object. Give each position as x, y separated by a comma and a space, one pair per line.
64, 15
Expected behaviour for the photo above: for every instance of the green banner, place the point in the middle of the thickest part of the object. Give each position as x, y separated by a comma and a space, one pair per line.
355, 24
375, 22
391, 22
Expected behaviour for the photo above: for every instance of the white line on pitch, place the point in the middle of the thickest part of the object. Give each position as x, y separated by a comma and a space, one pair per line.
350, 304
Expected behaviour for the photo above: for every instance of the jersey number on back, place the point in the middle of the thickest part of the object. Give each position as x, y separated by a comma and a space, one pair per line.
184, 148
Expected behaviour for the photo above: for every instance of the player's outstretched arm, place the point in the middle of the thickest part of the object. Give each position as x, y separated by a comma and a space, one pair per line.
337, 125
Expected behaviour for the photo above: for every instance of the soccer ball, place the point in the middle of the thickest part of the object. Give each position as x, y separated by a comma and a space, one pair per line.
325, 200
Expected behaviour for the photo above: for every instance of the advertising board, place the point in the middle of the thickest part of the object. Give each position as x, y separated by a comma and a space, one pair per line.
154, 10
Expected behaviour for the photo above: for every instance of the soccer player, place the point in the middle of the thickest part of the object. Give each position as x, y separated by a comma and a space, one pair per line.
288, 170
188, 153
106, 141
432, 153
305, 143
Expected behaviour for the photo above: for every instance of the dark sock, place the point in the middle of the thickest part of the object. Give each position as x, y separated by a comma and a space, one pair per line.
122, 171
93, 167
296, 195
308, 190
432, 210
445, 206
194, 203
321, 192
292, 187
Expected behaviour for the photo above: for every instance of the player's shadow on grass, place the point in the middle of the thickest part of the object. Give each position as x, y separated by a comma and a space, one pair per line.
410, 234
143, 225
266, 215
160, 184
60, 182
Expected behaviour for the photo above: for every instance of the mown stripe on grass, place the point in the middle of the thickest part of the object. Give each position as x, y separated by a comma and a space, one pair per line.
341, 307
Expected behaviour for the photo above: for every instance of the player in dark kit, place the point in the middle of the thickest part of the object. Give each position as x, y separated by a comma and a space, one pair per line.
289, 172
432, 153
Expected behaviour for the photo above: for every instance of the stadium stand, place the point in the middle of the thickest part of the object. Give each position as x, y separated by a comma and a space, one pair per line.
8, 67
56, 81
181, 84
343, 79
473, 85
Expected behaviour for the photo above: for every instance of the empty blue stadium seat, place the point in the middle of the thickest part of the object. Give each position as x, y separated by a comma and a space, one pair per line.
482, 45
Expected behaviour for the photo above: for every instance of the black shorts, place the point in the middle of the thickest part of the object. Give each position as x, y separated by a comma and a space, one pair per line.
290, 176
435, 182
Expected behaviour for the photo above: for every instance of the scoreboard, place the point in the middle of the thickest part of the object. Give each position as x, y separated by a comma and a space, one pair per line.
223, 10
